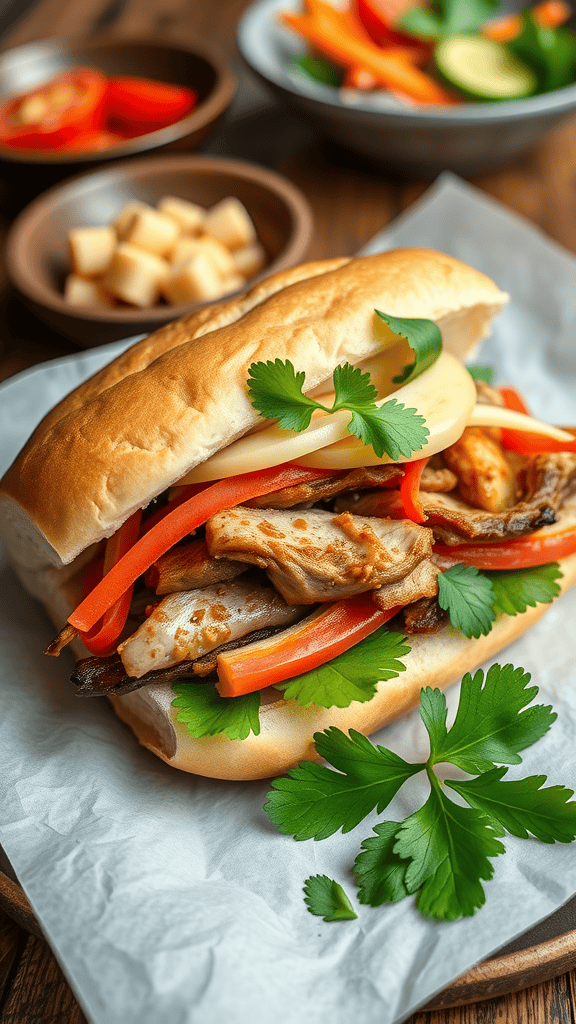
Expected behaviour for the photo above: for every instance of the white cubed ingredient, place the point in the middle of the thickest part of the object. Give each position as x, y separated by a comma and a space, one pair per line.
249, 260
195, 281
188, 216
187, 248
126, 216
152, 231
229, 222
78, 291
91, 249
135, 276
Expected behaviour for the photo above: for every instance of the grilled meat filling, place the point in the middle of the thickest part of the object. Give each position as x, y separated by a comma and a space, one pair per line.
190, 567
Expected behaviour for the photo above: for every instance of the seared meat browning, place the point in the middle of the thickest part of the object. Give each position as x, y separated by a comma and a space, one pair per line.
187, 625
328, 486
316, 556
421, 582
437, 479
424, 616
190, 567
485, 478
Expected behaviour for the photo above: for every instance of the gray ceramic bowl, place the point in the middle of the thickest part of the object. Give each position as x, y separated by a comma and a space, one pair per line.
466, 139
26, 67
36, 248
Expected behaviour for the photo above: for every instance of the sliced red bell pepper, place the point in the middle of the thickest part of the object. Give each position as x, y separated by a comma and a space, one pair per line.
523, 442
514, 554
174, 526
184, 493
103, 638
409, 491
67, 105
300, 648
93, 140
143, 105
378, 18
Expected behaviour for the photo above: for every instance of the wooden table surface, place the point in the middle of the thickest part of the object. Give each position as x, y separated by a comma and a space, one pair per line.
351, 201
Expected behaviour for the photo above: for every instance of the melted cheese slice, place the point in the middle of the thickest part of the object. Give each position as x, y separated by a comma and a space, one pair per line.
444, 395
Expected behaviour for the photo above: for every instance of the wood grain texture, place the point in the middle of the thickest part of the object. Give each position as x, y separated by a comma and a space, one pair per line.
351, 200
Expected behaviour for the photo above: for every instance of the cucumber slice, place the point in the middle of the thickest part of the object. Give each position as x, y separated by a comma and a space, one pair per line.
483, 69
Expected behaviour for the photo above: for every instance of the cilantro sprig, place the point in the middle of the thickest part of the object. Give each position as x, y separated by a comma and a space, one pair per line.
473, 598
327, 899
206, 713
276, 391
444, 851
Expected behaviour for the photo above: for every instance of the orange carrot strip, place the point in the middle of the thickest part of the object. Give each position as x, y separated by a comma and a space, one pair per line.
548, 14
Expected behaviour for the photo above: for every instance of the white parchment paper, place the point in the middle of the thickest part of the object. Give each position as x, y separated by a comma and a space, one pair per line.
172, 898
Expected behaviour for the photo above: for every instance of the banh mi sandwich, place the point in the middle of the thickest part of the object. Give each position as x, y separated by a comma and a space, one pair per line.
293, 510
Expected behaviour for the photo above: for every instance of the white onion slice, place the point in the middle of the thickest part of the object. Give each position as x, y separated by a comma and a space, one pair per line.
509, 419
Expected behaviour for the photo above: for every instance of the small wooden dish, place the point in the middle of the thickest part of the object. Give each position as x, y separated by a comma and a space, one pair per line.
36, 249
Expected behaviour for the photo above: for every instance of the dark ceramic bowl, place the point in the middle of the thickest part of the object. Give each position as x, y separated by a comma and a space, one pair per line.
26, 67
36, 248
420, 141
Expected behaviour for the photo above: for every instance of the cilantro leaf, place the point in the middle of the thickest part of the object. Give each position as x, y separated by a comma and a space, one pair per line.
314, 802
522, 807
352, 387
351, 676
392, 428
485, 373
467, 595
206, 713
275, 390
424, 338
449, 849
381, 873
517, 589
490, 727
327, 899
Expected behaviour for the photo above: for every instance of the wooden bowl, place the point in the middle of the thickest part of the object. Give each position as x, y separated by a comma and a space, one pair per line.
36, 248
198, 66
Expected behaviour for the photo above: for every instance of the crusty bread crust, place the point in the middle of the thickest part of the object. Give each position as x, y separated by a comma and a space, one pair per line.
179, 396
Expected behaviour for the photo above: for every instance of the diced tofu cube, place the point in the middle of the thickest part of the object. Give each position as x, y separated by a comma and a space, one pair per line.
126, 216
152, 231
229, 223
187, 248
136, 276
91, 249
195, 281
188, 216
78, 291
249, 260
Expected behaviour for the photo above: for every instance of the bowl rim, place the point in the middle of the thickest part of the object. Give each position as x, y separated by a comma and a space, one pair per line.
203, 114
18, 239
257, 17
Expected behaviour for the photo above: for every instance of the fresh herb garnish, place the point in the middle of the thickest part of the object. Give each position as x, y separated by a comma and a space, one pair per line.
483, 372
448, 18
424, 338
551, 52
327, 899
206, 713
443, 852
473, 598
319, 69
275, 390
352, 676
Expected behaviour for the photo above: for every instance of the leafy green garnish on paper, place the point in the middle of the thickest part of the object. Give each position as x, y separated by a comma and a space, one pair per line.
327, 899
443, 852
473, 598
206, 713
275, 390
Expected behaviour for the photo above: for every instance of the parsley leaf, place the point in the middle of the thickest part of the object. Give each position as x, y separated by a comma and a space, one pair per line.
485, 373
381, 873
517, 589
449, 849
522, 807
206, 713
327, 899
275, 390
467, 595
424, 338
490, 727
352, 676
314, 802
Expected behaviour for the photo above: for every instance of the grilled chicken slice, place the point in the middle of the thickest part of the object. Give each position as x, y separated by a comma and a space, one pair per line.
326, 487
187, 625
421, 582
485, 478
424, 616
190, 567
438, 479
316, 556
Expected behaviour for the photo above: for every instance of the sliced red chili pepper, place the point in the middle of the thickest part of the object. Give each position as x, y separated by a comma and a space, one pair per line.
515, 554
103, 637
67, 105
410, 489
300, 648
143, 105
174, 526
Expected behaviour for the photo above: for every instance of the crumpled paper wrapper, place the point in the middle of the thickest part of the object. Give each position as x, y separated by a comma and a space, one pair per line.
168, 897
